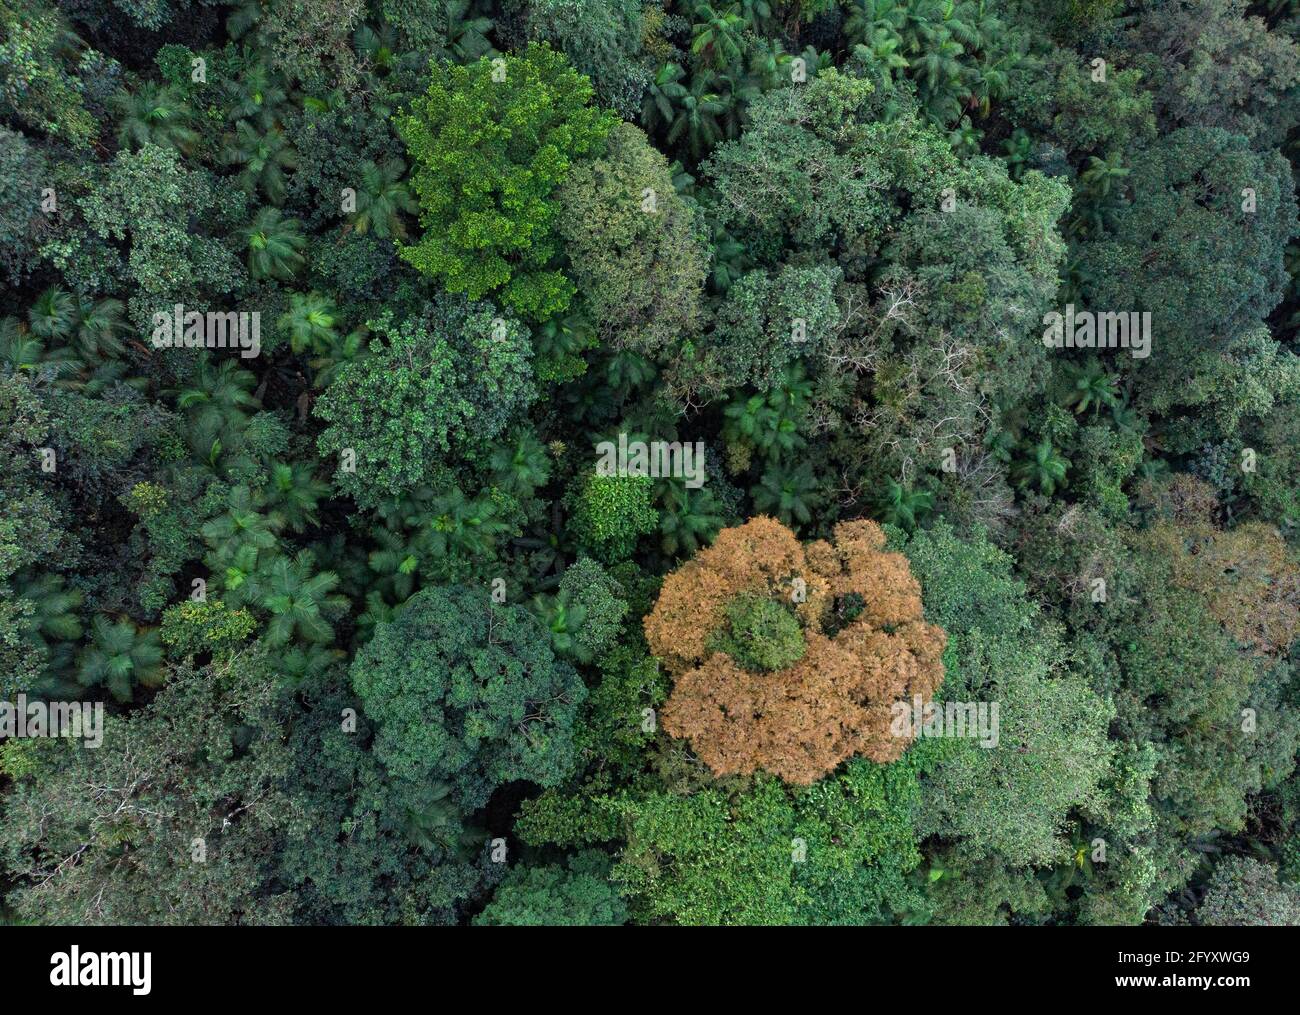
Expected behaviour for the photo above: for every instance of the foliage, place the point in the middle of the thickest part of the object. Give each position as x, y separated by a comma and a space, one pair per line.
633, 245
427, 384
754, 691
359, 606
592, 592
759, 634
834, 853
120, 657
1245, 893
469, 692
610, 513
602, 39
578, 894
487, 160
37, 84
191, 628
22, 221
1009, 803
179, 778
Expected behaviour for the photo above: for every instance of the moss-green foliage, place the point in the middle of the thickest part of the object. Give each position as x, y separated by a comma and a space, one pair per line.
610, 513
23, 175
981, 894
590, 588
1230, 70
362, 603
1013, 802
1078, 112
1245, 893
488, 155
618, 723
602, 39
1183, 688
180, 773
1211, 275
370, 849
146, 200
560, 819
30, 528
37, 84
633, 244
767, 175
768, 320
1104, 463
429, 384
465, 690
837, 852
191, 628
578, 894
586, 615
760, 634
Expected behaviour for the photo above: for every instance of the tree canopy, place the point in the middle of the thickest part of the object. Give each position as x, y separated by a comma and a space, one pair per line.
648, 462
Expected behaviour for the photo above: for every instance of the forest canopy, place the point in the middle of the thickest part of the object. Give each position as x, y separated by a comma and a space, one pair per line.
604, 462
